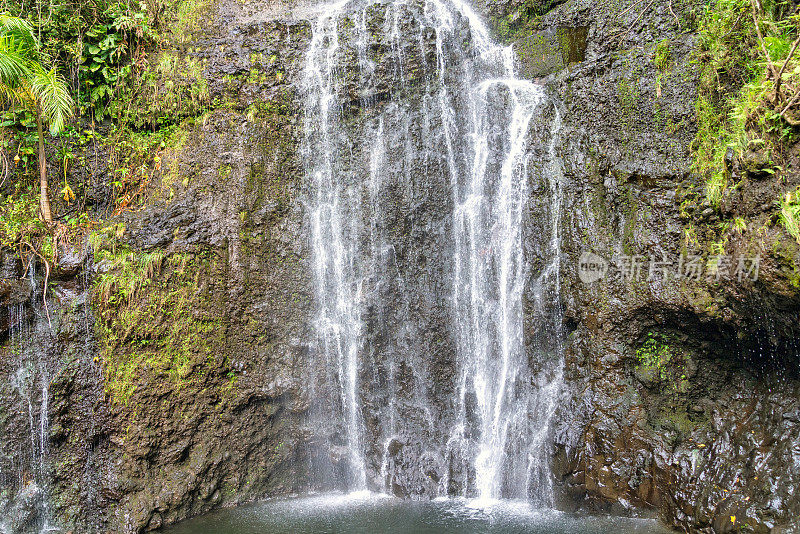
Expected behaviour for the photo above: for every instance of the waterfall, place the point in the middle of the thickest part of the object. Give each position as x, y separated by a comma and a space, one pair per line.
337, 275
491, 277
434, 194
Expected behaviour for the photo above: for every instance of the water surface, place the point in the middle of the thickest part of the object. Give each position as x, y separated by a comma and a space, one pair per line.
368, 514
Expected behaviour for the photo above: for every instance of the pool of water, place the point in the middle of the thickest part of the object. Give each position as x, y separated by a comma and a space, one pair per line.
372, 514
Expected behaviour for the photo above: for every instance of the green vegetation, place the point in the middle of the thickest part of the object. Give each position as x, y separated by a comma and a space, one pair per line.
627, 95
659, 362
129, 101
662, 364
132, 108
522, 19
663, 55
103, 64
690, 237
154, 318
25, 82
171, 90
105, 44
750, 88
790, 213
748, 117
655, 354
20, 222
137, 92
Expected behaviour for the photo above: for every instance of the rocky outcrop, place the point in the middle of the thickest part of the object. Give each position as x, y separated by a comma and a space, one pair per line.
185, 394
681, 392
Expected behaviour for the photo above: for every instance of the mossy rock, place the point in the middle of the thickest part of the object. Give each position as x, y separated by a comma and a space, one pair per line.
552, 50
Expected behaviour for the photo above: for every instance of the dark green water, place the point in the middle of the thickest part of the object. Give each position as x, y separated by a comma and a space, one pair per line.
353, 514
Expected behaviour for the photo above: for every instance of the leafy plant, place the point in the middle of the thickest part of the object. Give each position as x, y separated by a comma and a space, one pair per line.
790, 213
19, 221
113, 48
171, 89
750, 85
690, 236
663, 55
663, 363
100, 66
25, 81
655, 354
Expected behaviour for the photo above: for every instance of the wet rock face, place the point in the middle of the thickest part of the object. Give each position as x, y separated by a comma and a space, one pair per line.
16, 294
215, 418
23, 514
52, 410
679, 392
230, 428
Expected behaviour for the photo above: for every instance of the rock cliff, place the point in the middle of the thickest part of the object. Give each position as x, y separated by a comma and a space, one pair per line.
173, 356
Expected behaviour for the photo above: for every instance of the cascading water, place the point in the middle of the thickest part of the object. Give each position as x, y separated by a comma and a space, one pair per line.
427, 160
29, 371
490, 282
335, 242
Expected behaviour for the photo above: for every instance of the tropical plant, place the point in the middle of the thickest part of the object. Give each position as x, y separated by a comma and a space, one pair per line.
790, 213
24, 81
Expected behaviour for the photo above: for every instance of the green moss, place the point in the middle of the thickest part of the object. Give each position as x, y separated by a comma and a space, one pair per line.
278, 108
661, 362
522, 20
19, 218
663, 55
627, 95
785, 252
154, 319
790, 213
676, 420
187, 16
255, 76
224, 171
171, 150
655, 354
690, 239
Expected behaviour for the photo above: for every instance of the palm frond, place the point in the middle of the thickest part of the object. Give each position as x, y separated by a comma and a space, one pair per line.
19, 48
14, 64
50, 90
22, 34
8, 96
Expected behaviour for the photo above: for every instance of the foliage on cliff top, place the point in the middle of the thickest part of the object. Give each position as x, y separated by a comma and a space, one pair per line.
750, 82
105, 49
103, 44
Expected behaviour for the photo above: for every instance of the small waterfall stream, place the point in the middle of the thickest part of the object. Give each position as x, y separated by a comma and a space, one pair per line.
29, 379
334, 239
423, 153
